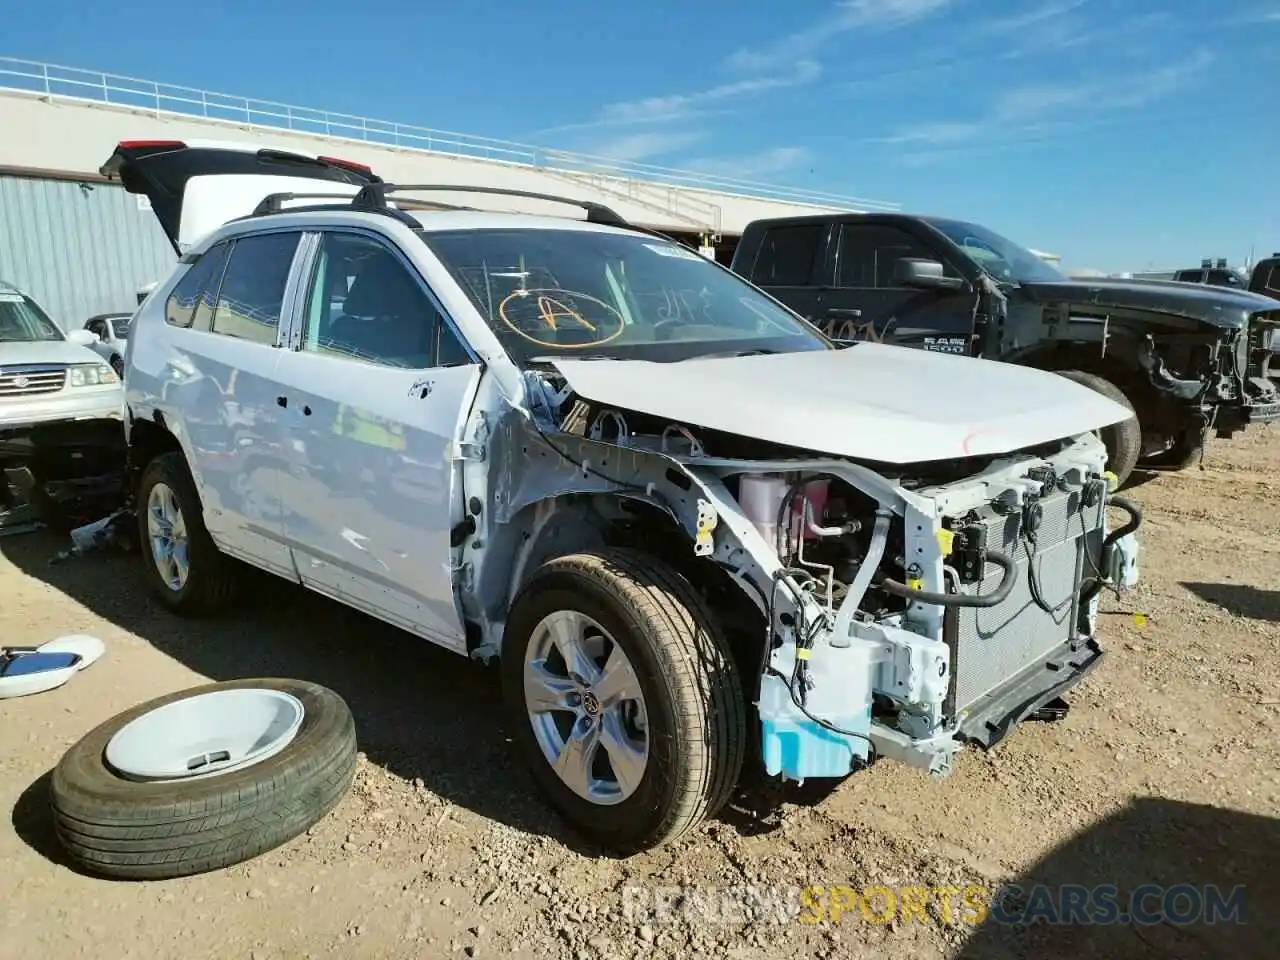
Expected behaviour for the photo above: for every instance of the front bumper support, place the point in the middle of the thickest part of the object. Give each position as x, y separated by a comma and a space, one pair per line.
995, 716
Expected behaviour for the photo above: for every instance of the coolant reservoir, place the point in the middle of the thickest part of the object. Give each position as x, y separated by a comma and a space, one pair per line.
760, 495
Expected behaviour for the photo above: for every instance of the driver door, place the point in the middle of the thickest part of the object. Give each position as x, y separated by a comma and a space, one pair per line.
866, 302
375, 391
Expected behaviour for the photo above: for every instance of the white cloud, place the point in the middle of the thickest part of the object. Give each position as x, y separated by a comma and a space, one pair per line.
1025, 112
1036, 17
762, 164
679, 106
1263, 14
643, 146
844, 17
936, 133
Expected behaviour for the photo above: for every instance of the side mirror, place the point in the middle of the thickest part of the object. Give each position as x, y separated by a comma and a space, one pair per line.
82, 338
924, 274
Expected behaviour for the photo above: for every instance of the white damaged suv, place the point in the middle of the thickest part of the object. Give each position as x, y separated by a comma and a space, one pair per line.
696, 532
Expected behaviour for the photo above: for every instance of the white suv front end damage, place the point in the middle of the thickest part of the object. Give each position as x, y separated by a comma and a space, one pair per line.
669, 506
910, 608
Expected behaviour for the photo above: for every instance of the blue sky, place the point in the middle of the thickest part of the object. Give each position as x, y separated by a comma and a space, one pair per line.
1121, 134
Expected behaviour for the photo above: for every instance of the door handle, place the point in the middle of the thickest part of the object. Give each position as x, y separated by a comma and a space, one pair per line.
282, 401
844, 312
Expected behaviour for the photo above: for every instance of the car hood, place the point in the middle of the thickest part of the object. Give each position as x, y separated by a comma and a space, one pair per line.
869, 402
45, 351
1219, 306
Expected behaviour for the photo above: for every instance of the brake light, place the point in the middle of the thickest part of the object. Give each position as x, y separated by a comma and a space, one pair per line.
346, 164
149, 144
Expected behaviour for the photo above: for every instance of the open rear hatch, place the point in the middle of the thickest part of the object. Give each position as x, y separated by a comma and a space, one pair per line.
197, 186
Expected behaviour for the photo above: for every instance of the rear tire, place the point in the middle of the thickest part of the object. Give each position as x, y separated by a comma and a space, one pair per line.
1123, 440
210, 583
690, 697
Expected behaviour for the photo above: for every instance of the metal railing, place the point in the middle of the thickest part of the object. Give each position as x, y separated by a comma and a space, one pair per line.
57, 82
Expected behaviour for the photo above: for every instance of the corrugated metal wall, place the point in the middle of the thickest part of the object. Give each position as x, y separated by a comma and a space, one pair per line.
78, 248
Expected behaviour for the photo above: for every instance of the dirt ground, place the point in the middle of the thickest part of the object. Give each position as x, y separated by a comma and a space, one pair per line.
1166, 770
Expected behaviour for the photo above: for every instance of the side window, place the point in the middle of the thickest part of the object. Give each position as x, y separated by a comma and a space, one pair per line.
1273, 280
365, 304
252, 291
787, 254
180, 308
868, 253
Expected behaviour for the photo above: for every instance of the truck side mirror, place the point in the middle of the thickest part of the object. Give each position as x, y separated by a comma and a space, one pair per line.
924, 274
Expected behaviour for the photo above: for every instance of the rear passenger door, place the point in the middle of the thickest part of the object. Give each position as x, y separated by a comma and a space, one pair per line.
868, 303
375, 390
788, 265
219, 382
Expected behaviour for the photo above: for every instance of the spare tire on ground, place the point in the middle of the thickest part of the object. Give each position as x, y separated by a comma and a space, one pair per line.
203, 778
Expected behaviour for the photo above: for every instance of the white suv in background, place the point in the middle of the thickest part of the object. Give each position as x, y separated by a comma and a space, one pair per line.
60, 410
667, 503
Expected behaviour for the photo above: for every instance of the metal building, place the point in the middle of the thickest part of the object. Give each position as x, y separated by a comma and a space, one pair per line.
78, 247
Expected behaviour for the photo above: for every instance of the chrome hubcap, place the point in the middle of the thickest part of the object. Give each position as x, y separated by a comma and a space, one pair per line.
585, 706
167, 531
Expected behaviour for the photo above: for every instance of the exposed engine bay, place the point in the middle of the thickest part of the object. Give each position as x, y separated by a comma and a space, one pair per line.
907, 609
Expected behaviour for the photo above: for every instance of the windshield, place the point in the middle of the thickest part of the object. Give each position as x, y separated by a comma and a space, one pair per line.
21, 321
579, 293
1001, 258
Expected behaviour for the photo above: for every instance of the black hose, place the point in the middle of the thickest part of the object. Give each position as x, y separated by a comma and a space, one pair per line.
1135, 521
994, 598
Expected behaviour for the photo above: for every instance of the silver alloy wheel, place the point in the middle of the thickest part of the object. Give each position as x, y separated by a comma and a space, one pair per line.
582, 694
167, 531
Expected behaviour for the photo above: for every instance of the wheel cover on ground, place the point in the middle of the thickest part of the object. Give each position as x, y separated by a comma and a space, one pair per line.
207, 735
167, 532
586, 708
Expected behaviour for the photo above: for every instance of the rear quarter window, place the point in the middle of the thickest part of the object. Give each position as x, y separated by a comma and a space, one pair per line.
788, 254
204, 275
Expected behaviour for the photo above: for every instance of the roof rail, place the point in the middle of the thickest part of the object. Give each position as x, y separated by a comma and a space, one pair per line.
374, 195
372, 198
272, 202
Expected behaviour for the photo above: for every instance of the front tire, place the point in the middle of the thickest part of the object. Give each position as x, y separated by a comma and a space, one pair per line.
184, 568
1123, 440
623, 697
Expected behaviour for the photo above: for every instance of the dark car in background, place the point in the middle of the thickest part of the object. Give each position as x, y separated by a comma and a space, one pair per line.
1189, 360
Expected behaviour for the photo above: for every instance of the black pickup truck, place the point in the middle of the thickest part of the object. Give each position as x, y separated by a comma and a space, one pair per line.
1189, 359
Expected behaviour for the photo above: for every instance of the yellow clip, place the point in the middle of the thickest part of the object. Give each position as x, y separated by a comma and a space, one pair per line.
1112, 481
803, 653
946, 540
915, 583
1139, 620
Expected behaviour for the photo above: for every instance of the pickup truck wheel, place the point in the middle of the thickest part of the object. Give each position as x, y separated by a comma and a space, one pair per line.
118, 366
185, 570
1184, 451
623, 697
1123, 440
